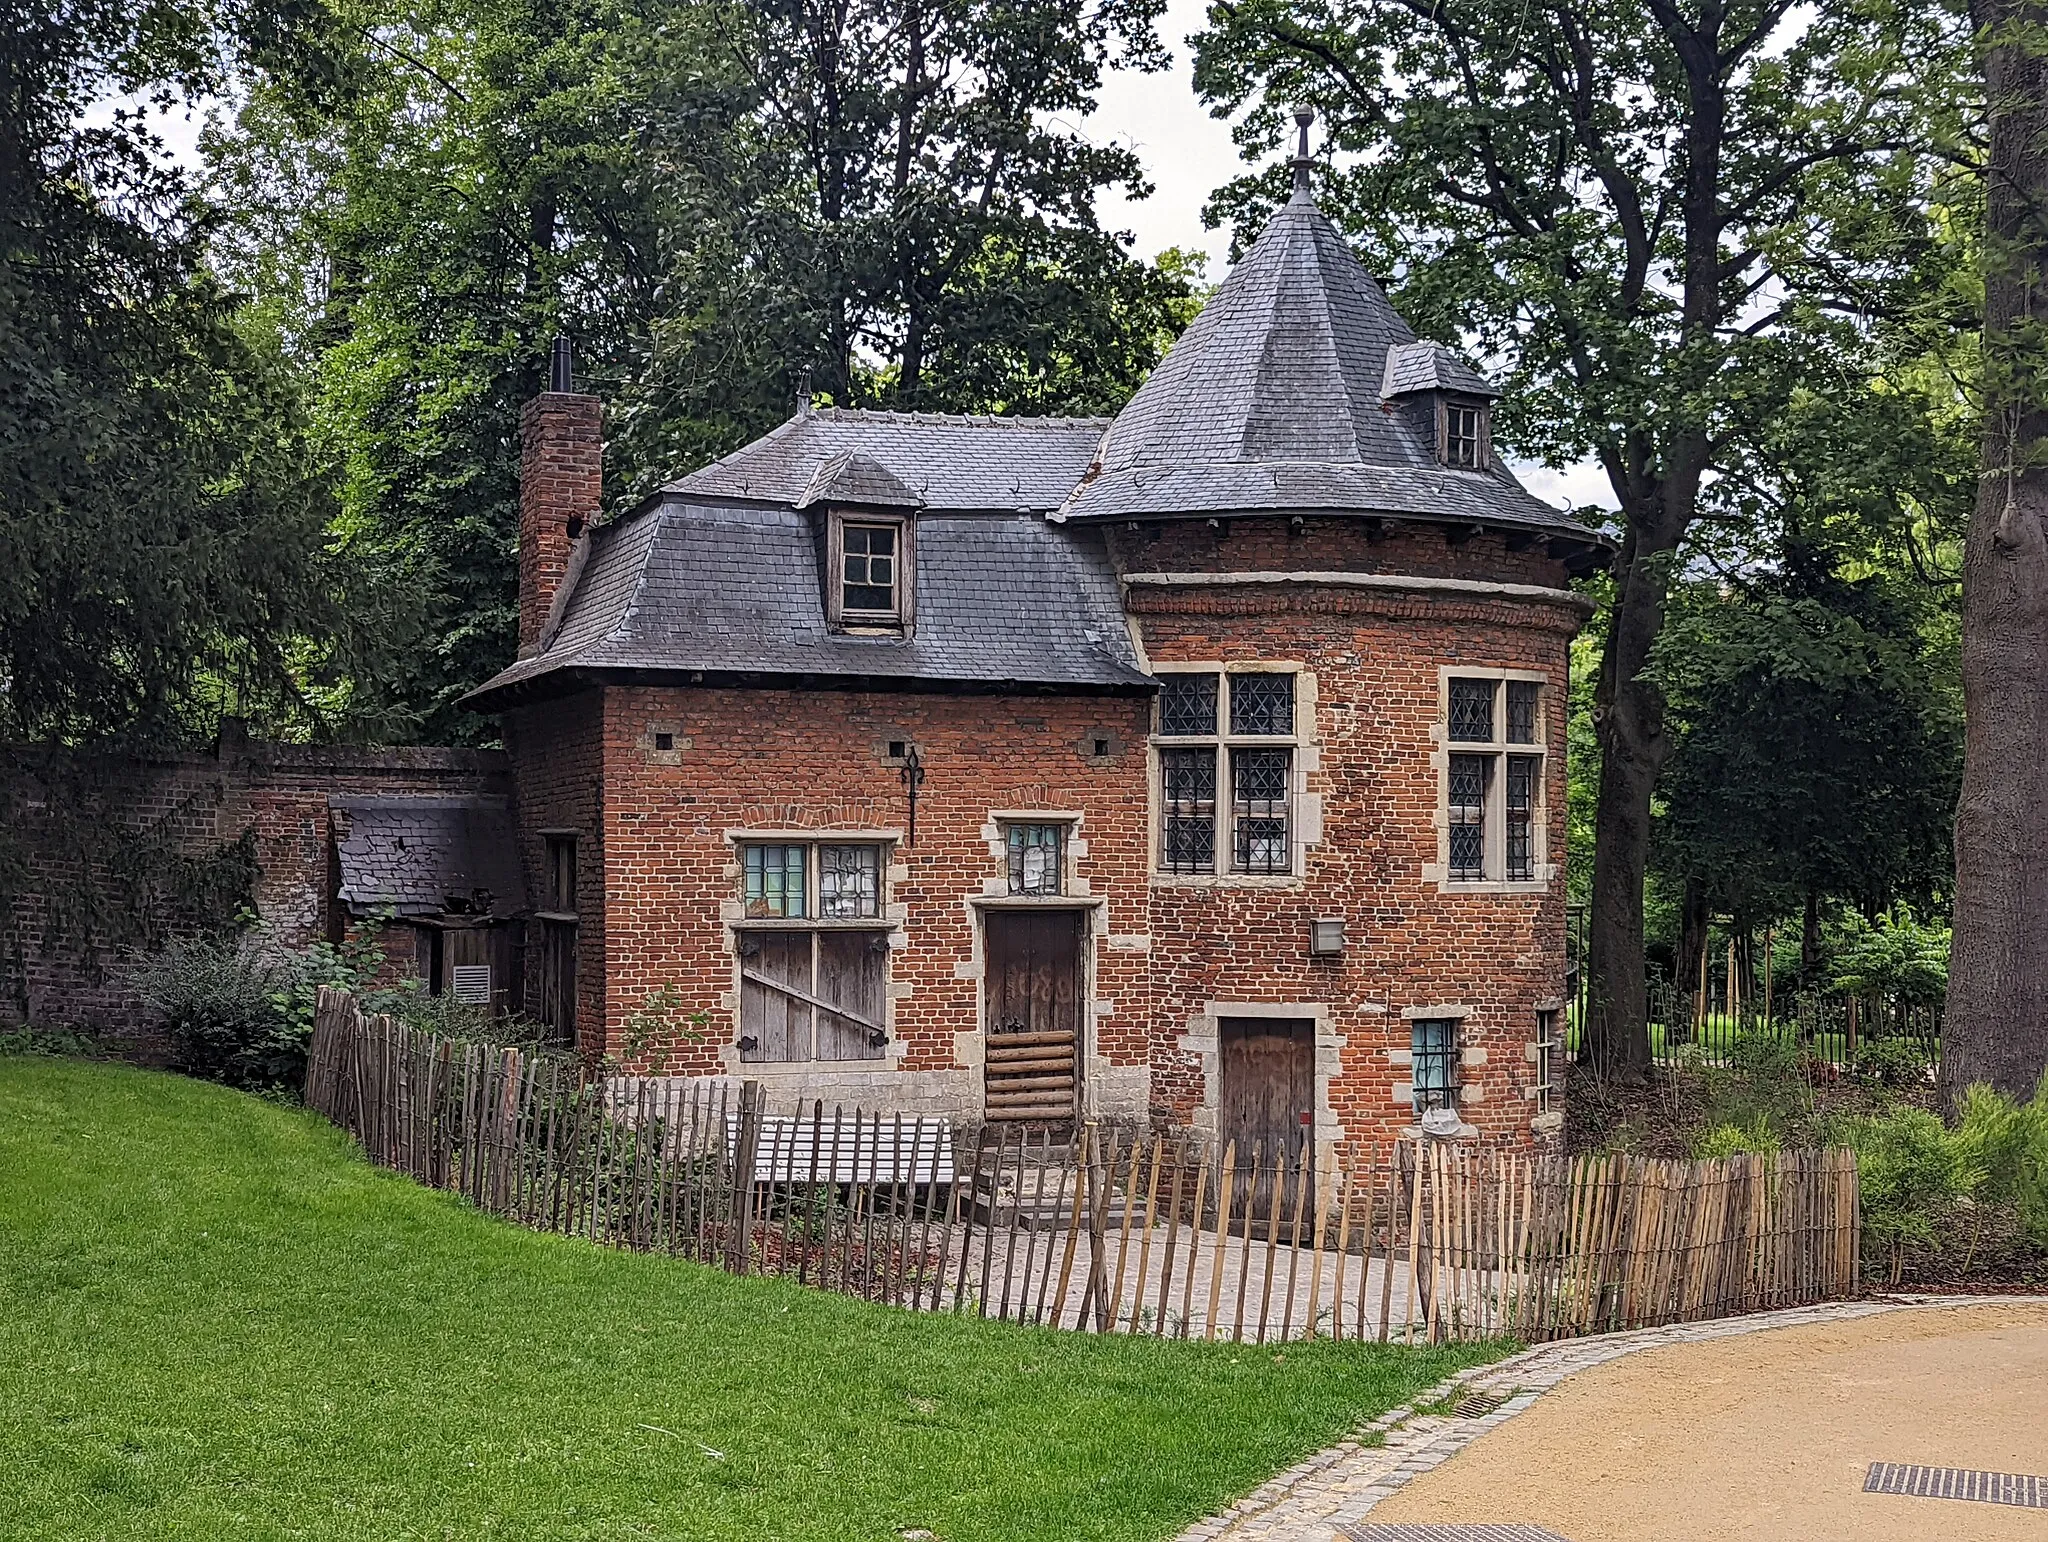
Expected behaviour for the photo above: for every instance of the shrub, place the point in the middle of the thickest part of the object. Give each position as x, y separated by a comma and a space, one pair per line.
1727, 1140
1892, 1063
2007, 1141
28, 1039
240, 1011
1897, 958
1914, 1171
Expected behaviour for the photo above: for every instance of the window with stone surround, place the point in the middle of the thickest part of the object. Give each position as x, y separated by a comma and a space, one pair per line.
1226, 741
1492, 813
1546, 1047
1034, 856
814, 958
1434, 1045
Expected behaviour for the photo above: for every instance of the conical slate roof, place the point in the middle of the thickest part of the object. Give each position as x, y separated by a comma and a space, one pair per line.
1277, 398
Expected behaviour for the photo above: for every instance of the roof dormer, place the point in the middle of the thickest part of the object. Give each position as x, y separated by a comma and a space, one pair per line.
1449, 401
868, 544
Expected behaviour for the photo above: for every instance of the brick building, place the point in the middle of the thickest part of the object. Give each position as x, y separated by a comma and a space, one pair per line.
1200, 768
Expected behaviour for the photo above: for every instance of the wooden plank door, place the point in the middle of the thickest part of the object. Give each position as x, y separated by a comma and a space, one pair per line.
1033, 992
1267, 1100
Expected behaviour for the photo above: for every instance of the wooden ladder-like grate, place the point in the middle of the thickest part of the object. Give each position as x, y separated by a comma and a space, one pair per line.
1030, 1076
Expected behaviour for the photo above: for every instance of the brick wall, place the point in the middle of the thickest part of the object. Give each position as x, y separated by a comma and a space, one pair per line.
1372, 660
561, 485
1168, 956
557, 757
819, 761
53, 973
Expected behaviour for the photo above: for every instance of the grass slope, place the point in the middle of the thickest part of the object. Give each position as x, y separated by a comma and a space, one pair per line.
217, 1322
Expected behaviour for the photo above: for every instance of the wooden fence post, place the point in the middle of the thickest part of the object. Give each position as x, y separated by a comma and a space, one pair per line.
752, 1105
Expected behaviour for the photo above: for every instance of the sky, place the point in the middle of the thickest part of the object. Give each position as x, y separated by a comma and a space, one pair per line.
1188, 155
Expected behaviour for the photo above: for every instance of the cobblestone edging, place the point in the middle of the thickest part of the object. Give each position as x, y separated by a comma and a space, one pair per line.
1314, 1500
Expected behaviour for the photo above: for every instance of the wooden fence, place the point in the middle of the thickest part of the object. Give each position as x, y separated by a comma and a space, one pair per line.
1082, 1228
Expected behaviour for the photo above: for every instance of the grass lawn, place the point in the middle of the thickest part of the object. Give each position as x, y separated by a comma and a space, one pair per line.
217, 1322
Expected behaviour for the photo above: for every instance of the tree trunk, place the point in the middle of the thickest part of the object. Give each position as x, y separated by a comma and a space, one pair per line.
1628, 716
1996, 1025
1809, 942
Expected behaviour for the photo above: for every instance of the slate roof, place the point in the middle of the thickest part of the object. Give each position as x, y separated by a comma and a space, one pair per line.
1274, 399
732, 592
951, 462
1430, 366
426, 856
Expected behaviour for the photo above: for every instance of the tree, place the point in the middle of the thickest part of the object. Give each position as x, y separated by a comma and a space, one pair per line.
714, 200
162, 507
1664, 220
1996, 1024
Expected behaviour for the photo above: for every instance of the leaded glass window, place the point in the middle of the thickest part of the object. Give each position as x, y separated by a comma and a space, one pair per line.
1434, 1042
775, 880
849, 882
1472, 711
1522, 711
1470, 777
1187, 705
1187, 787
1034, 858
1259, 800
1262, 704
1522, 770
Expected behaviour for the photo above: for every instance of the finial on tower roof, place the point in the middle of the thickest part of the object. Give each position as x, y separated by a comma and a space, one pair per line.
1303, 116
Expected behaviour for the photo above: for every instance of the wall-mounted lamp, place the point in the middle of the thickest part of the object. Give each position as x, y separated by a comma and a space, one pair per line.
1326, 936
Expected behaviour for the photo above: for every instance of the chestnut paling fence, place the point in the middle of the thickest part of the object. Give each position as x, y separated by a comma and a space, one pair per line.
1083, 1228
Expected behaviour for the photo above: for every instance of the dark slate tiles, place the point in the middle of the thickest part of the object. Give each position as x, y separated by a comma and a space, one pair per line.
950, 462
735, 590
422, 856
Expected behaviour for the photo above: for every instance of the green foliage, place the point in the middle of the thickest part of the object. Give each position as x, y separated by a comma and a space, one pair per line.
1898, 958
163, 502
1817, 740
1727, 1140
198, 1284
712, 199
653, 1030
239, 1009
1913, 1172
1894, 1064
28, 1039
2007, 1142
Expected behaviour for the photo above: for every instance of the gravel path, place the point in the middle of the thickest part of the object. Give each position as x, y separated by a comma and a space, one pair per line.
1702, 1431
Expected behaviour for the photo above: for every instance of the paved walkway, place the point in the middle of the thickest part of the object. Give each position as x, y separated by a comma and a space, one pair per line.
1337, 1488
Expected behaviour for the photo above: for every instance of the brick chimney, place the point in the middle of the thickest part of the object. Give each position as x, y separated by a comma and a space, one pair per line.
561, 475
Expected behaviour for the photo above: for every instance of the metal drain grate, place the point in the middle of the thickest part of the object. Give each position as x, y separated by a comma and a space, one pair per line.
1476, 1405
1991, 1488
1452, 1534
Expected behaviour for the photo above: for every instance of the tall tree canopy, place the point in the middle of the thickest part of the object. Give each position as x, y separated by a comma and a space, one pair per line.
1666, 221
161, 505
715, 200
1996, 1025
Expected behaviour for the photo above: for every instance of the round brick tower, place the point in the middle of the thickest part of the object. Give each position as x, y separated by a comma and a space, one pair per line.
1359, 620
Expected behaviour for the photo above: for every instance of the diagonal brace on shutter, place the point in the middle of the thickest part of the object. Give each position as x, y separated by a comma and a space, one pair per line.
795, 993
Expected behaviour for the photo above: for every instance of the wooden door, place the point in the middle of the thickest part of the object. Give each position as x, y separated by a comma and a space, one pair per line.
1033, 992
557, 984
1267, 1103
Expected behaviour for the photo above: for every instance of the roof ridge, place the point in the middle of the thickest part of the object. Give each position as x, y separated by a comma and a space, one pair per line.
979, 419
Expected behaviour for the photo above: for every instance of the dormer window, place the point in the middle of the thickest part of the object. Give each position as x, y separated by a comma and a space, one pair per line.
1463, 433
871, 562
867, 571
